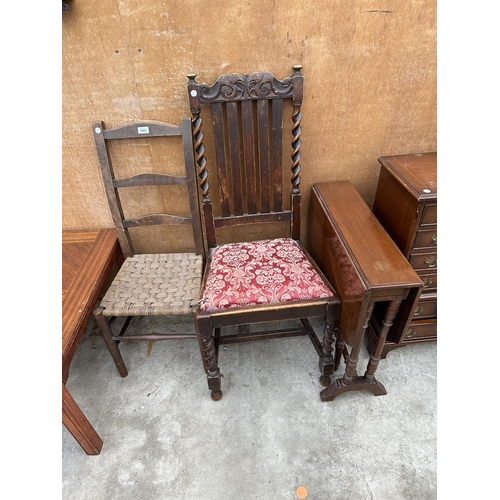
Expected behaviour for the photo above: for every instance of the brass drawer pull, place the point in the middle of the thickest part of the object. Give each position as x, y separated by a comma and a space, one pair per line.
434, 239
431, 261
418, 310
427, 282
410, 333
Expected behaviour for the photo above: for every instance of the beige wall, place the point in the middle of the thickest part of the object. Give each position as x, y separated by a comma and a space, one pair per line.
369, 68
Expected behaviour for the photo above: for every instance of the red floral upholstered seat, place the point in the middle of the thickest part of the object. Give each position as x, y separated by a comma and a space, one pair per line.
260, 272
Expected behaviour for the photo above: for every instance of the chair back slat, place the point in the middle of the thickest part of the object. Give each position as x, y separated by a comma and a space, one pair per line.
220, 158
277, 153
146, 129
156, 219
263, 149
247, 125
234, 153
150, 180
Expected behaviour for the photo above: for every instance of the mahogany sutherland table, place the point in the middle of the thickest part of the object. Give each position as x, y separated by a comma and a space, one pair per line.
368, 271
87, 259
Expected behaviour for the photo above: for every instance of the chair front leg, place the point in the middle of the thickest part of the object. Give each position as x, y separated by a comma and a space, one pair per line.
107, 335
327, 362
209, 353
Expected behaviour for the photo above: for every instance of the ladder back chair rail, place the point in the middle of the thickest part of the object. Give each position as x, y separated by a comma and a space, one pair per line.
142, 129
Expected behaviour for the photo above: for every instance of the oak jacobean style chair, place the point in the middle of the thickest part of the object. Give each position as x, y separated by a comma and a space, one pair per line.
256, 281
162, 284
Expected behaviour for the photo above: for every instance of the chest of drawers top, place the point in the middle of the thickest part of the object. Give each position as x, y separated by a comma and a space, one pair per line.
406, 200
417, 173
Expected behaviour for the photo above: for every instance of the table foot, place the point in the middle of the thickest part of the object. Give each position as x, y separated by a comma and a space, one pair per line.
358, 383
77, 424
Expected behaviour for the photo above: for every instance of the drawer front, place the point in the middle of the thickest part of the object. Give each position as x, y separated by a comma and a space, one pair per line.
429, 280
424, 261
429, 215
426, 238
425, 309
421, 329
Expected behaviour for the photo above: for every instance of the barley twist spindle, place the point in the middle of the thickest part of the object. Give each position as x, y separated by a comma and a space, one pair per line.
201, 160
296, 131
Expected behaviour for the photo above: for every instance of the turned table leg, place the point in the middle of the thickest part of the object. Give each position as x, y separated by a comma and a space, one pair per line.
352, 382
390, 314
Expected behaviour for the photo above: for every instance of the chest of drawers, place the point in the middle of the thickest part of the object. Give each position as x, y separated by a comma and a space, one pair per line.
406, 206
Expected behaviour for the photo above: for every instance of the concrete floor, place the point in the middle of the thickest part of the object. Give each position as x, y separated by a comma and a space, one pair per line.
165, 438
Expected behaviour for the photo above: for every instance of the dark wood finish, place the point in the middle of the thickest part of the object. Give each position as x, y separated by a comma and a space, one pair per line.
136, 130
87, 259
367, 270
406, 205
247, 120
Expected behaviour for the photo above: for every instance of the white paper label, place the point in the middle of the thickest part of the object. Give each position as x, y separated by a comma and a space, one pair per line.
143, 130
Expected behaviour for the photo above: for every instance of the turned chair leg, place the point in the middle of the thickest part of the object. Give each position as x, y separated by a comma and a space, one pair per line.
210, 356
328, 361
107, 335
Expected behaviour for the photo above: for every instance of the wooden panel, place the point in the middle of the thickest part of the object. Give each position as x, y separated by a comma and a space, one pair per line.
429, 216
424, 261
421, 329
369, 90
426, 307
429, 280
396, 211
426, 238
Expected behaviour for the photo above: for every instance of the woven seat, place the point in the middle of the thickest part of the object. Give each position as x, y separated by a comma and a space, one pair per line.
155, 285
149, 284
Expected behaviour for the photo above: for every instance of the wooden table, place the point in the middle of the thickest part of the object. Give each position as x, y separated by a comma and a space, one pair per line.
368, 271
87, 259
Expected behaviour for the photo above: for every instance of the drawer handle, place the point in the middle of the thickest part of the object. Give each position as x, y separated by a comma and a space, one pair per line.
431, 261
410, 333
418, 310
427, 282
434, 239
